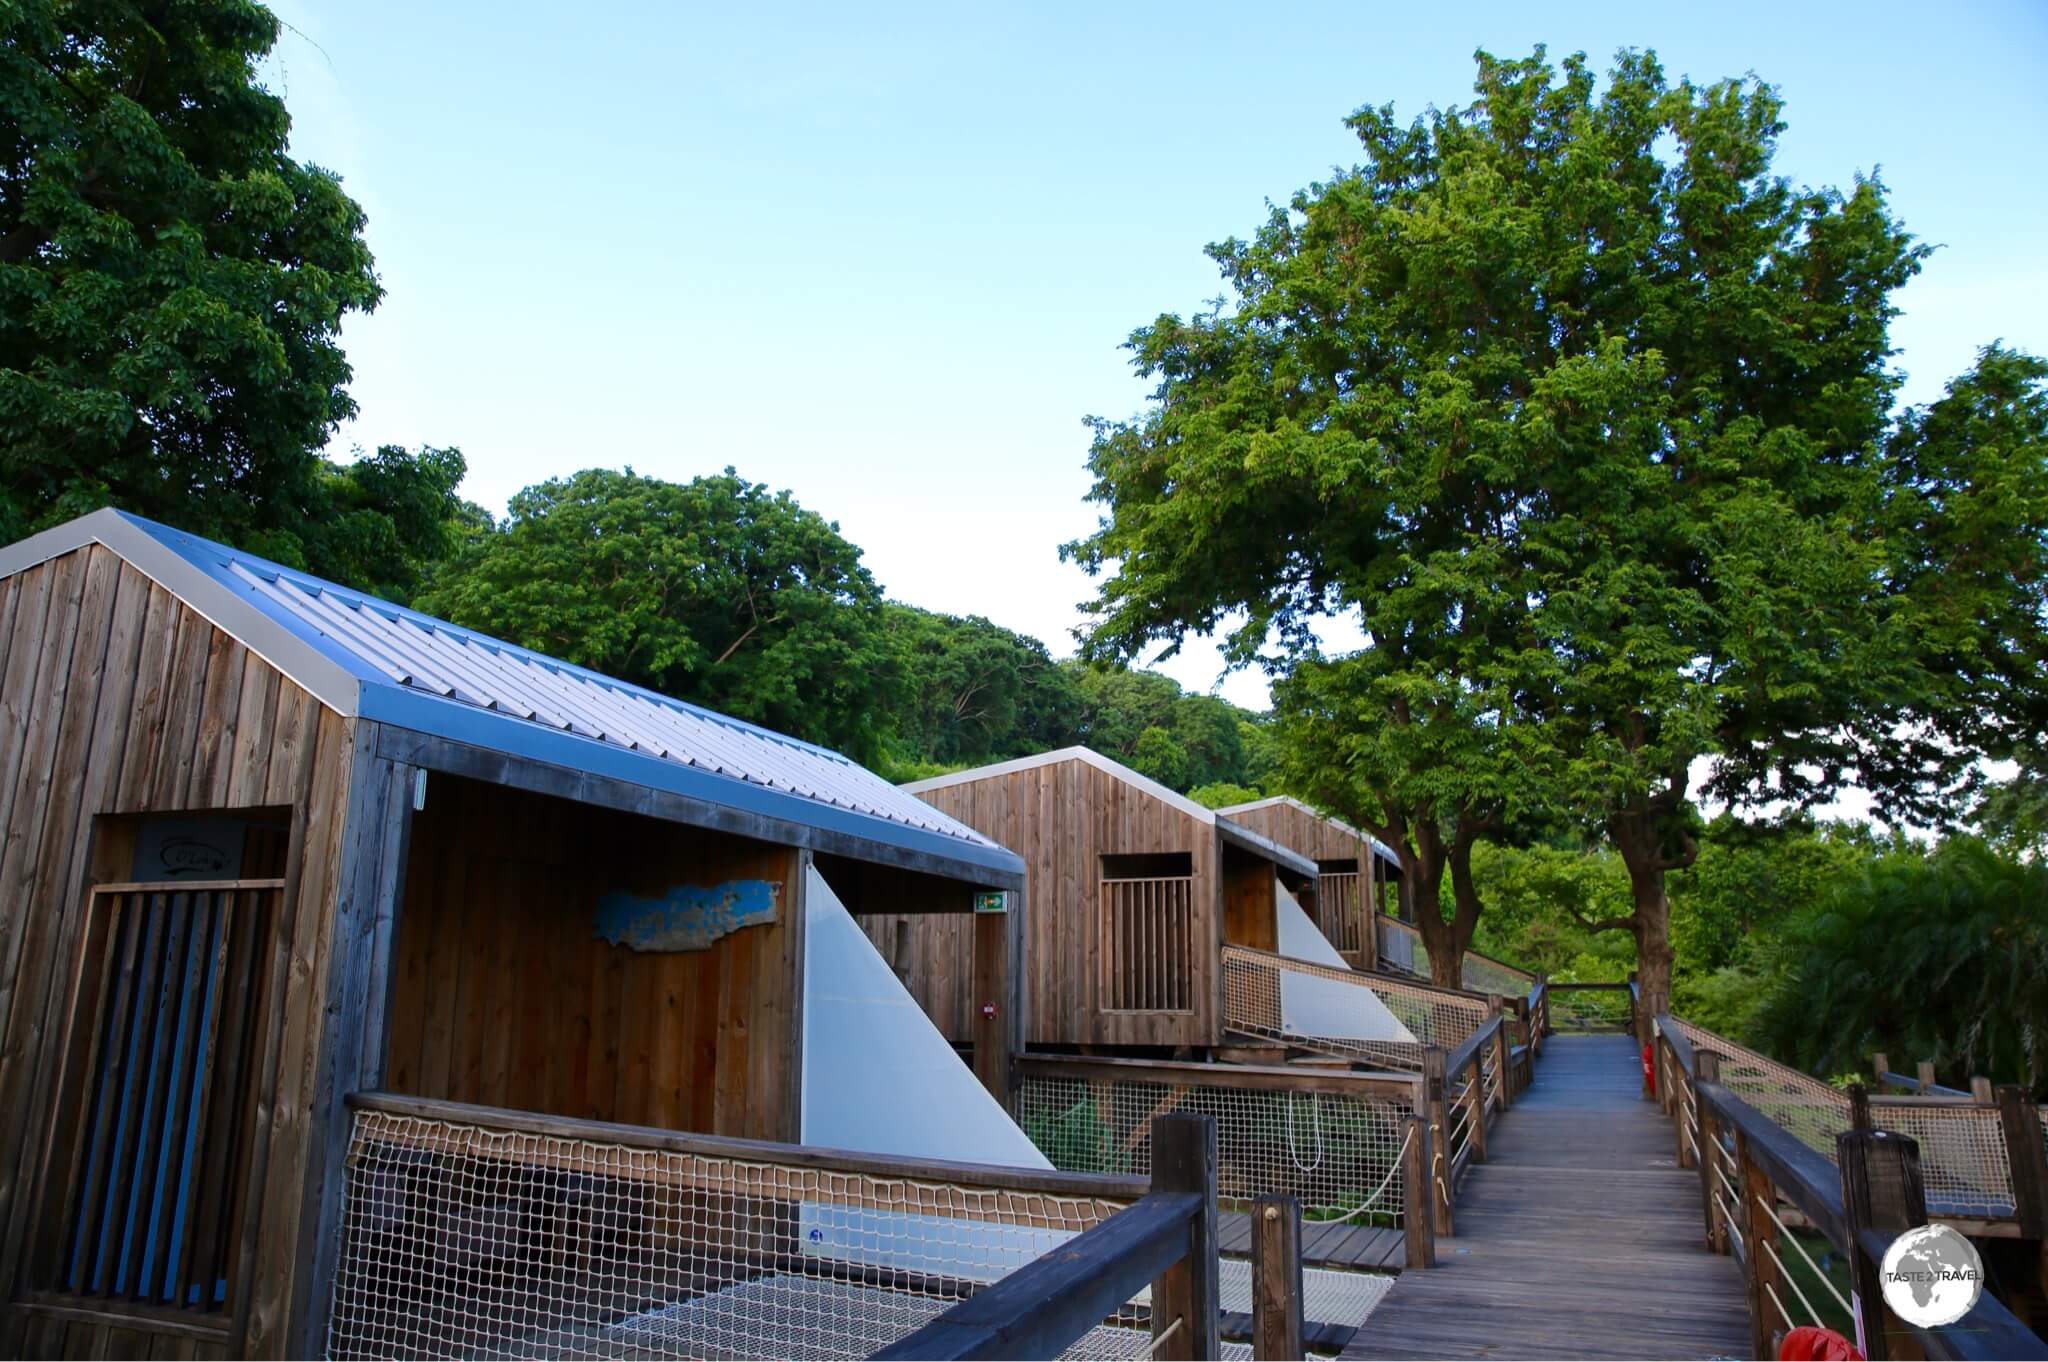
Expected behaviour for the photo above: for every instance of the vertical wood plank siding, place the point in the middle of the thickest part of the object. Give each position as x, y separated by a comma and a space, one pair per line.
1062, 818
504, 995
115, 698
1320, 839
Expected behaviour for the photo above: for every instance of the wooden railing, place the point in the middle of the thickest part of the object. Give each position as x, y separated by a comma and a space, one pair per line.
1253, 982
1465, 1091
1607, 1007
479, 1231
1166, 1241
1755, 1174
1147, 944
1339, 1143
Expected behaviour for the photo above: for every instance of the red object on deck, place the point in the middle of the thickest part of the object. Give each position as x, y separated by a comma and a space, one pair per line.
1809, 1344
1649, 1070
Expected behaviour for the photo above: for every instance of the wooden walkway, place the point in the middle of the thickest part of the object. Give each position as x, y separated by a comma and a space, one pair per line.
1580, 1238
1326, 1243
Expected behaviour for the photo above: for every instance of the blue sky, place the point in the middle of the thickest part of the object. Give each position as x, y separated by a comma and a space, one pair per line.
885, 257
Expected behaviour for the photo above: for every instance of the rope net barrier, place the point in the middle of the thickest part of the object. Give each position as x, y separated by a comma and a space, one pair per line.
1252, 985
1963, 1157
1340, 1155
1401, 947
465, 1241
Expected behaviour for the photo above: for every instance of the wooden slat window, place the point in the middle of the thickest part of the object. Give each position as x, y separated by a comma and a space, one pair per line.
1338, 899
144, 1200
1148, 944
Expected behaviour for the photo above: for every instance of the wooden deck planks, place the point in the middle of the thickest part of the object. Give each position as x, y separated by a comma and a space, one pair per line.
1580, 1239
1325, 1243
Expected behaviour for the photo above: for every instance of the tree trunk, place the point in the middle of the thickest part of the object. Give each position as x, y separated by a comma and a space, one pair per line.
1646, 863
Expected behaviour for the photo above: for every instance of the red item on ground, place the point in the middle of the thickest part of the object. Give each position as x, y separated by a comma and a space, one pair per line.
1808, 1344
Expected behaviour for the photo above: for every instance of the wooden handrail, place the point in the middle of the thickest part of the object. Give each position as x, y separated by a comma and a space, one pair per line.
184, 886
1462, 1056
1167, 1240
1100, 1186
1042, 1307
1256, 1077
1814, 1185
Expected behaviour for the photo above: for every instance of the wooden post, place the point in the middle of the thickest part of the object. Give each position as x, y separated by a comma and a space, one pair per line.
1417, 1224
1881, 1190
1758, 1203
1707, 1140
1276, 1278
1926, 1072
1981, 1093
2029, 1159
1881, 1063
990, 1022
1439, 1140
1859, 1107
1478, 1108
1184, 1160
1676, 1084
1502, 1055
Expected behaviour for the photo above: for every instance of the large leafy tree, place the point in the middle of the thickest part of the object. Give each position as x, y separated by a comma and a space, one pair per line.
717, 591
172, 283
971, 691
1585, 414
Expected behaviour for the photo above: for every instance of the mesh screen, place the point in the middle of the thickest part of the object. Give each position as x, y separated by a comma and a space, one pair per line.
1251, 1005
1594, 1009
1338, 1154
1963, 1158
464, 1241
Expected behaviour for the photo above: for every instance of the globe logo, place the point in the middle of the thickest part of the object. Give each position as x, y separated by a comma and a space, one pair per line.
1931, 1276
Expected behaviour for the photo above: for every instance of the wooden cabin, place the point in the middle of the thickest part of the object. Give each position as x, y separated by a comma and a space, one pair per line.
267, 842
1352, 868
1133, 892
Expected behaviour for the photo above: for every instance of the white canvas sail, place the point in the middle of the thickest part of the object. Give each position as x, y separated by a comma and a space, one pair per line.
1314, 1006
879, 1078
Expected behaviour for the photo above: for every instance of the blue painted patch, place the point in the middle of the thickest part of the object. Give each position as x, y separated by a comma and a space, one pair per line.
687, 917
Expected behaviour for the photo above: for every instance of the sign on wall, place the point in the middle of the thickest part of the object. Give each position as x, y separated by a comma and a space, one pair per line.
685, 917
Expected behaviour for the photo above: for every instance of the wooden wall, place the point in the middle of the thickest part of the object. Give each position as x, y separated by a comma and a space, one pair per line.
1062, 818
1249, 917
115, 698
504, 994
1321, 839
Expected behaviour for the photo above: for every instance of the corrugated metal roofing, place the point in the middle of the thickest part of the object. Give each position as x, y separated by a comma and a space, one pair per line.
362, 655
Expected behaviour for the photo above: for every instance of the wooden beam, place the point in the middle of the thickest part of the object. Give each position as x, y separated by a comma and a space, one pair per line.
1254, 1077
1437, 1189
989, 1022
1188, 1294
1276, 1278
1758, 1202
1417, 1225
1881, 1190
2025, 1151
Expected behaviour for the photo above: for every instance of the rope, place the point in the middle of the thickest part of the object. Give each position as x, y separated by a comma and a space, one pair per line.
1786, 1277
1787, 1234
1168, 1332
1783, 1313
1385, 1182
1293, 1152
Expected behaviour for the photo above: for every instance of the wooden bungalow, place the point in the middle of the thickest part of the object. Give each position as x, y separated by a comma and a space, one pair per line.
268, 843
1352, 868
1133, 893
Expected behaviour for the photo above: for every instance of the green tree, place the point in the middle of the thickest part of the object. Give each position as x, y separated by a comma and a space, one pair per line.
1938, 955
1585, 415
715, 591
971, 691
1223, 794
172, 284
384, 522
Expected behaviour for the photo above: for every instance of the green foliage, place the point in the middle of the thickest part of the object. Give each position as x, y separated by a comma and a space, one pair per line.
1933, 955
385, 522
1146, 721
1223, 795
714, 591
2013, 814
172, 287
972, 692
1078, 1140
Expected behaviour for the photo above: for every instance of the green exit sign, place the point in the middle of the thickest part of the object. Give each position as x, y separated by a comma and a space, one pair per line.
991, 903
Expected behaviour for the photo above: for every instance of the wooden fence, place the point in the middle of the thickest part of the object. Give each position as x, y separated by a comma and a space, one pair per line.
1772, 1201
1147, 946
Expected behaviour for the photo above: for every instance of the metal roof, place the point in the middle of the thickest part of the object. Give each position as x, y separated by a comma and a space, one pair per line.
362, 656
1381, 849
1230, 830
